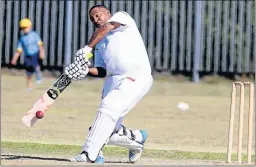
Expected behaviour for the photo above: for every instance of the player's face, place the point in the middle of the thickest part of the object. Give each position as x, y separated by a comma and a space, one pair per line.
99, 16
26, 30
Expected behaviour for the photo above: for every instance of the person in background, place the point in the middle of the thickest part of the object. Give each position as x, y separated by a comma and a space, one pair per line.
31, 45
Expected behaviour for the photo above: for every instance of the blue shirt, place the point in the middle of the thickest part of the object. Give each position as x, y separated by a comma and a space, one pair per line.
29, 43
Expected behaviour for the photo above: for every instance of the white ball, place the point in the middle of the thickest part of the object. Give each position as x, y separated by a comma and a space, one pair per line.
182, 106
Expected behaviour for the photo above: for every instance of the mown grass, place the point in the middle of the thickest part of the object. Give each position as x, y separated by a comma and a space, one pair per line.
55, 149
200, 133
203, 128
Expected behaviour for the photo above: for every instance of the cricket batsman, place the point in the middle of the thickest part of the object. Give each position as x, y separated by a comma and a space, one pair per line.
121, 58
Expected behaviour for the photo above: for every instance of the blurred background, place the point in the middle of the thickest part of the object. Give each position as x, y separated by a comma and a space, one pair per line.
187, 37
207, 42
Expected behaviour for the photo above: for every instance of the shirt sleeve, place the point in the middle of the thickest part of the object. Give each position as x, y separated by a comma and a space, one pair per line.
122, 18
98, 60
38, 39
19, 47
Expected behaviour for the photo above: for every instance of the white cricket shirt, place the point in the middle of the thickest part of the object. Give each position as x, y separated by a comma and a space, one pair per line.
122, 51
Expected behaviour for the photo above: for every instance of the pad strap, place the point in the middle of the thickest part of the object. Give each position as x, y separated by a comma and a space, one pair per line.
124, 138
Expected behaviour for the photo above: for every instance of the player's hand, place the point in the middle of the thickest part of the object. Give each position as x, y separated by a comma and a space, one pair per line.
82, 60
81, 56
76, 72
41, 56
13, 62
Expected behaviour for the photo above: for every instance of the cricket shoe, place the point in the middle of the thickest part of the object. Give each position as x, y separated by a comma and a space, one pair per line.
38, 81
134, 155
84, 158
29, 90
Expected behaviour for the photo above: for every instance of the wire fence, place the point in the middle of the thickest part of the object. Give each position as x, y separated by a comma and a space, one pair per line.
226, 40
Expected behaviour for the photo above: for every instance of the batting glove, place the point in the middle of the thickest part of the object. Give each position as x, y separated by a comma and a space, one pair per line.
76, 72
81, 58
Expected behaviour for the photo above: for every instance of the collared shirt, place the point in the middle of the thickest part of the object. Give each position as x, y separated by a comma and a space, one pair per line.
29, 43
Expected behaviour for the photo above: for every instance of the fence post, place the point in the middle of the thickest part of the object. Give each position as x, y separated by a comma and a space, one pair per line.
1, 32
197, 53
1, 37
68, 33
1, 27
254, 106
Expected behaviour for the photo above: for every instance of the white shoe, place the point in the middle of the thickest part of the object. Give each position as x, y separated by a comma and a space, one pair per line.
38, 82
29, 89
83, 158
134, 155
80, 158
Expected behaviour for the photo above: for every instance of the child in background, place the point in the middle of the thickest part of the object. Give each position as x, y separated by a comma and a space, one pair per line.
31, 45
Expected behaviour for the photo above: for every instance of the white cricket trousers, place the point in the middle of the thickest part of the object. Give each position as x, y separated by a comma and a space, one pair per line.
120, 94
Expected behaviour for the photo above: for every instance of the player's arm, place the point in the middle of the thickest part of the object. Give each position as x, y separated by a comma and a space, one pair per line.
73, 73
40, 45
41, 50
117, 20
16, 57
97, 72
99, 34
17, 53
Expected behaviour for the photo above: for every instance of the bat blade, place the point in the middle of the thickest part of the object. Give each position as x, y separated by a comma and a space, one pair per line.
46, 100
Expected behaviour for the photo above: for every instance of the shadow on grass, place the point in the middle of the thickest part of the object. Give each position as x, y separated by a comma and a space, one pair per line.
16, 157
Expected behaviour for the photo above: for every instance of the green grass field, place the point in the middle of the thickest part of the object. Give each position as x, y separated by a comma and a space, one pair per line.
199, 133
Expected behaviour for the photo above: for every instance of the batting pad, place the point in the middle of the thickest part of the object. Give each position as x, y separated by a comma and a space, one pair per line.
100, 132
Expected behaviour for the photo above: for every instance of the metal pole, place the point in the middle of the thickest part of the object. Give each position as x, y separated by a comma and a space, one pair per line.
1, 27
1, 42
68, 33
254, 54
197, 41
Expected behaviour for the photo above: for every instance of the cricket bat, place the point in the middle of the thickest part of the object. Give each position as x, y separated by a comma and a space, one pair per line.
47, 99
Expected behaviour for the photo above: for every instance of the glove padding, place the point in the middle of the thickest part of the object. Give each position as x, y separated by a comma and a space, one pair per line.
76, 72
81, 58
82, 61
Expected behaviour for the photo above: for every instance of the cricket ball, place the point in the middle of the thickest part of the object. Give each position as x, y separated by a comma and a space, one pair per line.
39, 114
183, 106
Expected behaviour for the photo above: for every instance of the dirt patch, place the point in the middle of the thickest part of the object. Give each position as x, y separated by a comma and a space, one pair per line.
11, 159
